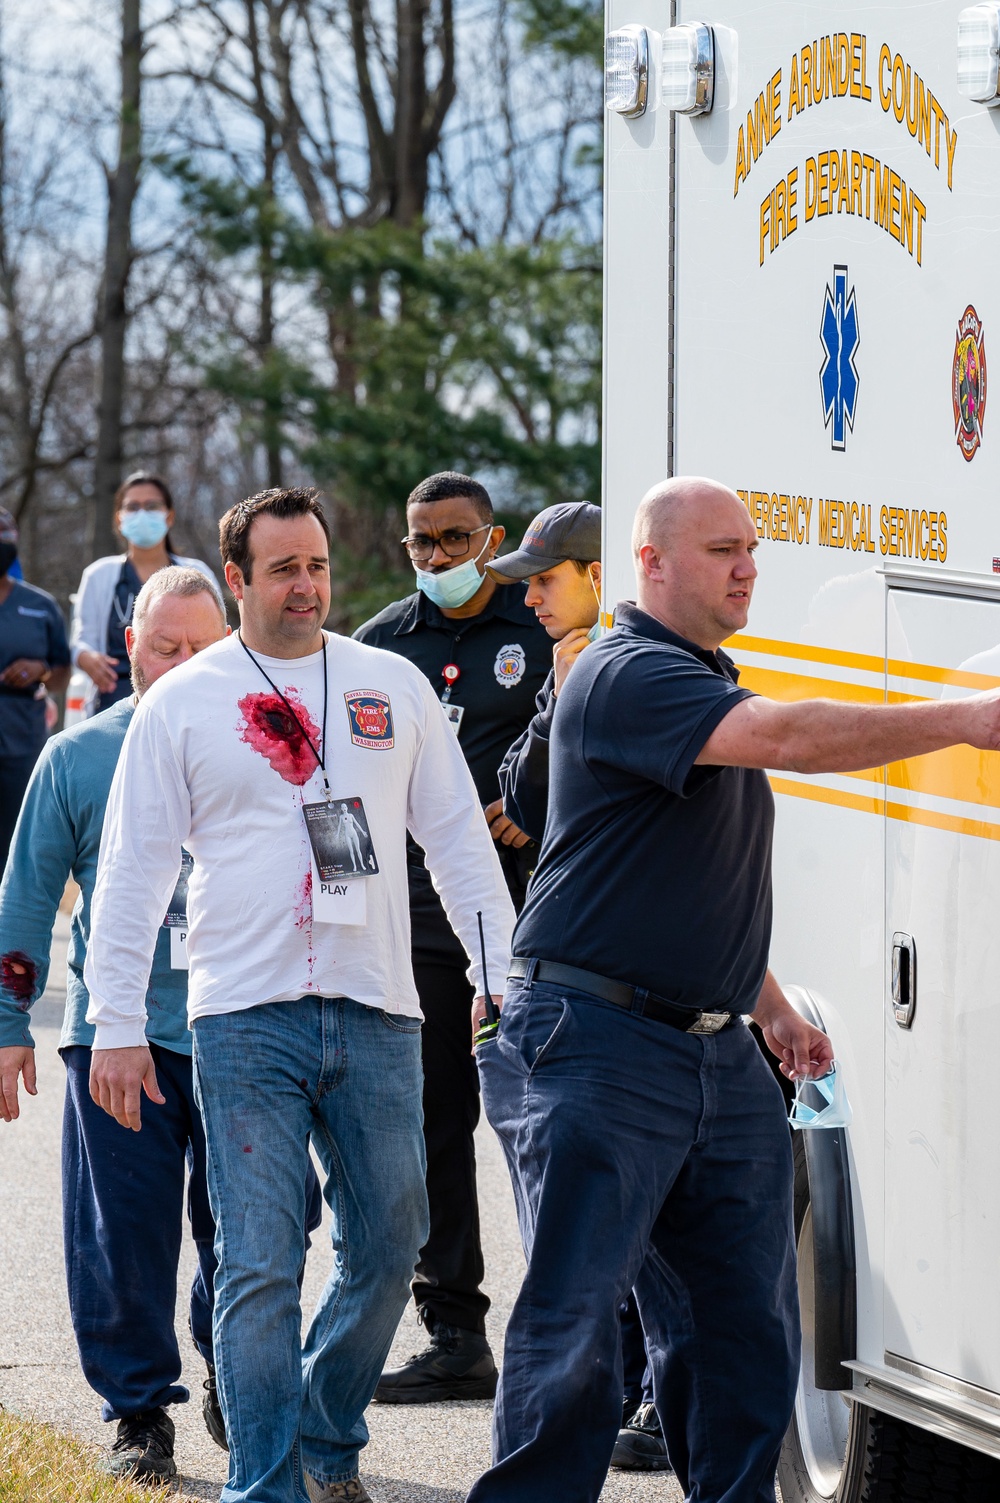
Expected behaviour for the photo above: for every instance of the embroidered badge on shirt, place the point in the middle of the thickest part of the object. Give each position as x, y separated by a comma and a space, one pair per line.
371, 719
509, 666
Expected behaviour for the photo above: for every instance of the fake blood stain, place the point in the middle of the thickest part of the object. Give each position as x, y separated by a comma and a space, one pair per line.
270, 729
303, 902
18, 974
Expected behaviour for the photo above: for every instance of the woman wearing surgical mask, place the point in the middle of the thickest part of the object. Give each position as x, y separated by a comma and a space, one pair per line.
144, 515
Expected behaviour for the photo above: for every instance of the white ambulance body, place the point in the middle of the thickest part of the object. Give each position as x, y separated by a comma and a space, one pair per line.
802, 300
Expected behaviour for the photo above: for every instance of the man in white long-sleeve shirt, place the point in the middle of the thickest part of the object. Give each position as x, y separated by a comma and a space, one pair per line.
301, 993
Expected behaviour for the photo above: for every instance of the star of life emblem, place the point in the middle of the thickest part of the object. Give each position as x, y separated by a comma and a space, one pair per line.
838, 379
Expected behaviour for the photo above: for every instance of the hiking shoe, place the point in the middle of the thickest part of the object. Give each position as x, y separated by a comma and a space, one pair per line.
640, 1446
351, 1491
144, 1449
456, 1365
212, 1410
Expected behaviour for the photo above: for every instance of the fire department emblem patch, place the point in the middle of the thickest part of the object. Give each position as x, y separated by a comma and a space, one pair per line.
370, 715
510, 664
968, 382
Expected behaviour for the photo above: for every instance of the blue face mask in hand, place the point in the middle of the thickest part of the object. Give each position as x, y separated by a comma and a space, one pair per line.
452, 587
830, 1088
144, 529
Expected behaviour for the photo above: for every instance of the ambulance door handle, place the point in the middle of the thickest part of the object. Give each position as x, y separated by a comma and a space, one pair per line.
904, 978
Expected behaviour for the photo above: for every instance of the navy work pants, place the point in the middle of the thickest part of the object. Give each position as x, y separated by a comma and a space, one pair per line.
123, 1213
640, 1156
449, 1272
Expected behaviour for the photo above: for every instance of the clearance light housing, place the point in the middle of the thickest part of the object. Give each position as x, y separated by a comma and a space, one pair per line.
979, 53
626, 71
687, 68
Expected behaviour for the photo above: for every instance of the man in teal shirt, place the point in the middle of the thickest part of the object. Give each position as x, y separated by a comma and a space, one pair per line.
118, 1186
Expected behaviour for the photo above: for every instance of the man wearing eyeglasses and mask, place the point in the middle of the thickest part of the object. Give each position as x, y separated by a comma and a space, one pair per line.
486, 656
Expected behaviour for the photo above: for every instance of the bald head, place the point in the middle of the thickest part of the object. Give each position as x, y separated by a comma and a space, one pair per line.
669, 504
693, 543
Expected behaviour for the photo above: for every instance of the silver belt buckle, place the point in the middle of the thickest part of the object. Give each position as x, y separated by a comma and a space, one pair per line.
710, 1022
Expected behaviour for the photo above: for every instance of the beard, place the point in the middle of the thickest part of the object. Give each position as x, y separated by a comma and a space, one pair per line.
140, 682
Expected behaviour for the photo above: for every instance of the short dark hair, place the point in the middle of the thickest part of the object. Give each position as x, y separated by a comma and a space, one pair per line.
234, 528
583, 564
449, 485
144, 477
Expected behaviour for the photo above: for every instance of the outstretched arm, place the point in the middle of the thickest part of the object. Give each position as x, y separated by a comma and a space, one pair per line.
821, 735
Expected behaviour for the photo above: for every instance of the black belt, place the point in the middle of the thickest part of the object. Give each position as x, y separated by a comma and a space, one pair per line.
634, 998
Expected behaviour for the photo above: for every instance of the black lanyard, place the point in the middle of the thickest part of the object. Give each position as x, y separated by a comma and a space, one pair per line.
320, 760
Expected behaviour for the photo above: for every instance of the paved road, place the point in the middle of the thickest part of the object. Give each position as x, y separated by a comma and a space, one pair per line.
428, 1454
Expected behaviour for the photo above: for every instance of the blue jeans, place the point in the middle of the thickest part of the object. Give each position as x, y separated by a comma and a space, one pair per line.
640, 1156
266, 1079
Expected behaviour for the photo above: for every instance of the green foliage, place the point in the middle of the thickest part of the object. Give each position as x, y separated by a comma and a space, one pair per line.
443, 356
574, 28
436, 357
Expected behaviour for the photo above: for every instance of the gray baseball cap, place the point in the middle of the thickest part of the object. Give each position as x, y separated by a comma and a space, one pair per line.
571, 529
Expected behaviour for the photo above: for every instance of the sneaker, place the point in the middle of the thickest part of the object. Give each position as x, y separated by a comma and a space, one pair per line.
212, 1410
351, 1491
456, 1365
144, 1449
640, 1446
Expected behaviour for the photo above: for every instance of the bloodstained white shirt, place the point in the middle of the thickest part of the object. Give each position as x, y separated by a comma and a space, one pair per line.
214, 762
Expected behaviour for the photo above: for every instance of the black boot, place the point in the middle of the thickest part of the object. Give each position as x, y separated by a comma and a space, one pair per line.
212, 1410
144, 1449
640, 1446
456, 1365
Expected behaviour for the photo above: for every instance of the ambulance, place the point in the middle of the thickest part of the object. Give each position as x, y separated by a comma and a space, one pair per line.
802, 300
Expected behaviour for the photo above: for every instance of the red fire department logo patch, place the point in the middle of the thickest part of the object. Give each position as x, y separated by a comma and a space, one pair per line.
968, 382
370, 715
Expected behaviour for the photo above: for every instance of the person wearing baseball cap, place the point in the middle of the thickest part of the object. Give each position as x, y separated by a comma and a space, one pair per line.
33, 653
560, 559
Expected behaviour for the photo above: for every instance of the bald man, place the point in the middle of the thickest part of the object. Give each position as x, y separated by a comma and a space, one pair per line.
645, 1133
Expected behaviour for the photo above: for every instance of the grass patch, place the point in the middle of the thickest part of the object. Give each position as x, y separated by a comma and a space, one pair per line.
41, 1465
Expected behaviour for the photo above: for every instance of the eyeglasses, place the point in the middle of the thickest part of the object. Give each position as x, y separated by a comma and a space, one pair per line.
130, 507
453, 544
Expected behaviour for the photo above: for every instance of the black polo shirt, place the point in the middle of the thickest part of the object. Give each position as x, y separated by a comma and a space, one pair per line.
653, 871
503, 656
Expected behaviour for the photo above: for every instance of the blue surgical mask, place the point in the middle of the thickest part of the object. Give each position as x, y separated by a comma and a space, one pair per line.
144, 529
452, 587
837, 1111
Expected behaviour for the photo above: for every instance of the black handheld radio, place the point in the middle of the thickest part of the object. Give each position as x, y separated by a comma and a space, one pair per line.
488, 1027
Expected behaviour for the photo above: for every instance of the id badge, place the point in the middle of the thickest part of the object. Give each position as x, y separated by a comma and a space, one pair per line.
336, 902
176, 919
342, 852
453, 714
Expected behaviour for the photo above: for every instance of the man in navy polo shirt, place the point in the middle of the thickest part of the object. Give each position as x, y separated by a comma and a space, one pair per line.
645, 1133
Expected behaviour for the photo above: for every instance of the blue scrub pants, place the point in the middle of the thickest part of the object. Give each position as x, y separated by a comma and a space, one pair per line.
640, 1156
123, 1213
